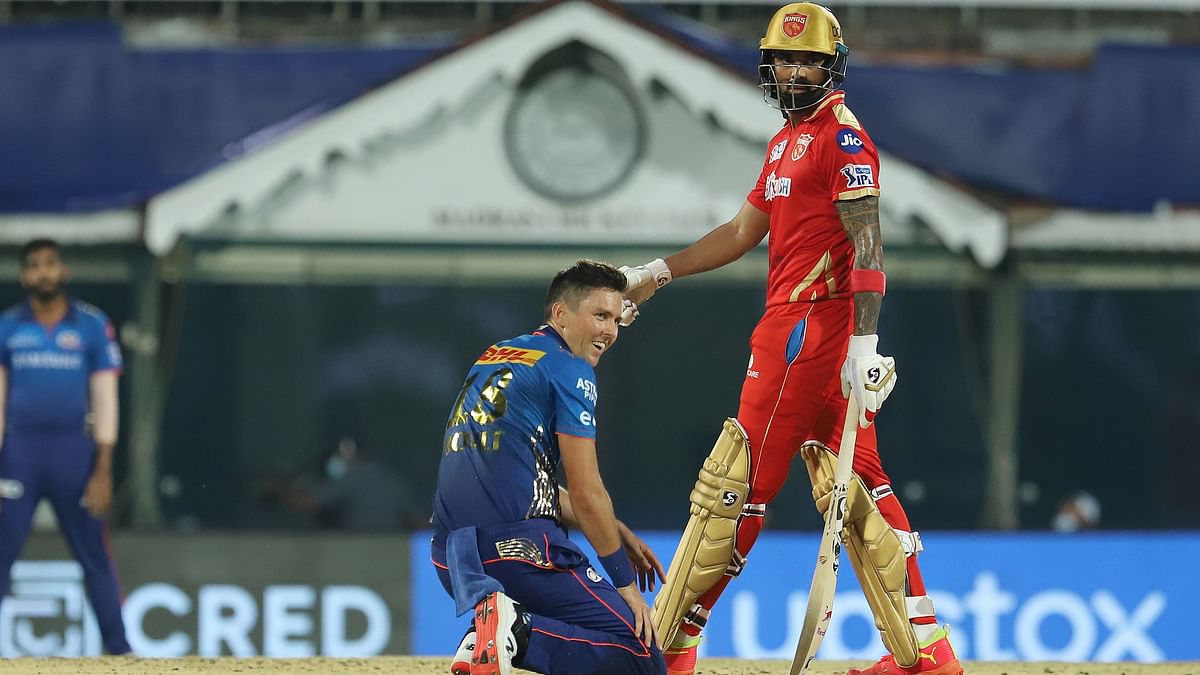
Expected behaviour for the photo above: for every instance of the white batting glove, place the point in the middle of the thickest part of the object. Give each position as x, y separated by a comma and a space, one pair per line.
867, 376
644, 280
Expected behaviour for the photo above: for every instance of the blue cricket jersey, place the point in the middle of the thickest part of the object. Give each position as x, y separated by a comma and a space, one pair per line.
49, 368
500, 452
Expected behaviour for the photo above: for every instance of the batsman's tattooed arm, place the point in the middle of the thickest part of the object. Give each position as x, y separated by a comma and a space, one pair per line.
860, 220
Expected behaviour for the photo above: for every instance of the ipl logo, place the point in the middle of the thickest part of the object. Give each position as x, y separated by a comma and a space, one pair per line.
858, 176
47, 613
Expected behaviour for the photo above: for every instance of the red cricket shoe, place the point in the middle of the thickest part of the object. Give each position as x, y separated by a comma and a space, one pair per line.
501, 634
681, 655
935, 657
461, 665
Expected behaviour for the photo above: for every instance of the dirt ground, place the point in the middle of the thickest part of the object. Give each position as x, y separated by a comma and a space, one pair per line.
411, 665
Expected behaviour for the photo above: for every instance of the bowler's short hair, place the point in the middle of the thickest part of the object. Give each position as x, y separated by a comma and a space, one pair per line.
572, 285
34, 246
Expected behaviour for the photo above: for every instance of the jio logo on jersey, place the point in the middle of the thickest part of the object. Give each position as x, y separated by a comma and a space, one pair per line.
849, 141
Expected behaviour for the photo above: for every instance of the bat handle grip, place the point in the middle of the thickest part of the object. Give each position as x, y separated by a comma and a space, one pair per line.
842, 470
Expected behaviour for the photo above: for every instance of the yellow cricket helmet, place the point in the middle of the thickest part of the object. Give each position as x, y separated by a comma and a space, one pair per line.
803, 27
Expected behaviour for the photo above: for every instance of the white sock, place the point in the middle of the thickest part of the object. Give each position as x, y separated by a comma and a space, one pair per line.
924, 631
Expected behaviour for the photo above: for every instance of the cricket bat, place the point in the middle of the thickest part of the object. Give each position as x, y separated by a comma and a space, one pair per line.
824, 581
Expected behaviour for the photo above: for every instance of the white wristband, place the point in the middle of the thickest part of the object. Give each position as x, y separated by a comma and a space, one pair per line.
863, 345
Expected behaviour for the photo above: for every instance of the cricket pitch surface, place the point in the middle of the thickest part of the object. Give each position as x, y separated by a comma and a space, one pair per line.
420, 665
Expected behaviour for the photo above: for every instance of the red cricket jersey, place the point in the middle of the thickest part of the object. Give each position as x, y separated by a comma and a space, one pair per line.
828, 157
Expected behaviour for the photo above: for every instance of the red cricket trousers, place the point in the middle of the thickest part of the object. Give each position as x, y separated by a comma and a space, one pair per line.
793, 394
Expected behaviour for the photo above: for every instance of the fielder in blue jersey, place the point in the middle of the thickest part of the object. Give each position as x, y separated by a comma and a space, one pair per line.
59, 364
527, 408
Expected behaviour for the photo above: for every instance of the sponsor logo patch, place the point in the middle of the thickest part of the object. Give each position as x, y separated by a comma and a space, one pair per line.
750, 371
11, 489
47, 360
849, 141
778, 187
24, 341
777, 151
858, 176
794, 24
593, 575
801, 146
586, 419
588, 387
729, 498
69, 339
496, 354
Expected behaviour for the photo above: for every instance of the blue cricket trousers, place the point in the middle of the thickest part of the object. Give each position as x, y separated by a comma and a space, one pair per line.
581, 625
56, 465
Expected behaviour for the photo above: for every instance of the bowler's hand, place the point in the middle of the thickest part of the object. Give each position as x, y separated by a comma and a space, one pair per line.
642, 615
867, 376
644, 561
97, 495
629, 312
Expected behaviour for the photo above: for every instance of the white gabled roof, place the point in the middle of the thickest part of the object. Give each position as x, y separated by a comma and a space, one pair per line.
442, 85
121, 226
702, 86
1071, 230
963, 223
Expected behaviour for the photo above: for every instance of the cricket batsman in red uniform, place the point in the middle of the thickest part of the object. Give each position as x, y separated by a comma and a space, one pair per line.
815, 346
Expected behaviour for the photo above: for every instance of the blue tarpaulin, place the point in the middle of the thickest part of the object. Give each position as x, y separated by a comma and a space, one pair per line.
87, 122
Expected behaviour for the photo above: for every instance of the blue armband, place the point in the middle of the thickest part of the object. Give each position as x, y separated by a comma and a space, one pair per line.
620, 571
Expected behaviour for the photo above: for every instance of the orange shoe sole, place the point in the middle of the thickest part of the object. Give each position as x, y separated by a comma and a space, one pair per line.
486, 659
949, 668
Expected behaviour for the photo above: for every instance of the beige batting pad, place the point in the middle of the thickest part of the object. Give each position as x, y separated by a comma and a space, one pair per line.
875, 553
707, 545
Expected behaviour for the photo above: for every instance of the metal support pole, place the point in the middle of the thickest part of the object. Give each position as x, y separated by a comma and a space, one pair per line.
229, 17
340, 12
485, 12
142, 340
1006, 328
371, 11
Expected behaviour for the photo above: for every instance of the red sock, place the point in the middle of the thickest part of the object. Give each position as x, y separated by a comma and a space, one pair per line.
680, 661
